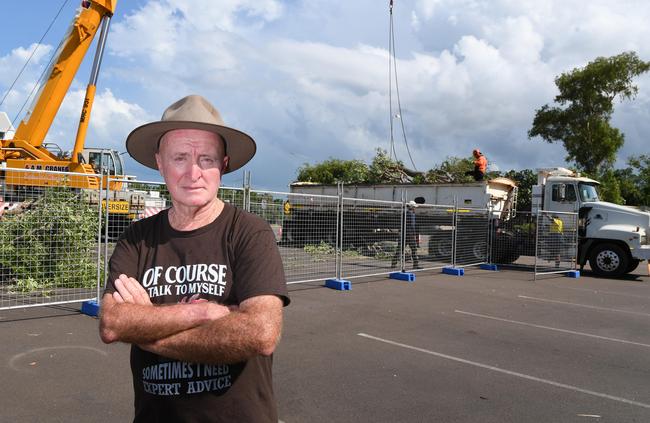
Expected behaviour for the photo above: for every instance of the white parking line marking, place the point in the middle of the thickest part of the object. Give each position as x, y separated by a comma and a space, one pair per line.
508, 372
484, 316
584, 305
600, 291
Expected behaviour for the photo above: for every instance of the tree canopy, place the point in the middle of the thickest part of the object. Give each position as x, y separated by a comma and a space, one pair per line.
581, 119
633, 182
384, 170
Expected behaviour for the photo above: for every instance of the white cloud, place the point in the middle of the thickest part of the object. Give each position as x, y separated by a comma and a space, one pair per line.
205, 16
310, 80
10, 66
111, 120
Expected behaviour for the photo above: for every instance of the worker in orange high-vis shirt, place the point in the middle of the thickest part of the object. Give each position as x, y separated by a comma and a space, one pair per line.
480, 166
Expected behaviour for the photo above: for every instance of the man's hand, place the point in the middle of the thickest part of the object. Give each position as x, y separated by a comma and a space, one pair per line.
130, 291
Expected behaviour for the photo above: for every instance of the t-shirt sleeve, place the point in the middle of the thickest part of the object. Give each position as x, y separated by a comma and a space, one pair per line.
124, 260
257, 267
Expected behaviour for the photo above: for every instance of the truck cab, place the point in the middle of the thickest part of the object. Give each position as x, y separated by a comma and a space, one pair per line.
613, 238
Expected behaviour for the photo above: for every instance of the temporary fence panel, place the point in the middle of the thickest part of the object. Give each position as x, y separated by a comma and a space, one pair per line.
471, 238
306, 227
370, 237
132, 202
234, 196
557, 244
49, 239
270, 207
513, 240
435, 227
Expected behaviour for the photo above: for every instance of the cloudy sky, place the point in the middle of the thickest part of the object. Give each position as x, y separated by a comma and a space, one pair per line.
308, 79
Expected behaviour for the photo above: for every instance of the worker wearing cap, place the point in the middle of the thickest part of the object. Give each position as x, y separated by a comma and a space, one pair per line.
480, 166
198, 289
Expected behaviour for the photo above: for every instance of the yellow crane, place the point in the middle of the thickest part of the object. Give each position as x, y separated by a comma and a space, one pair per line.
26, 150
85, 167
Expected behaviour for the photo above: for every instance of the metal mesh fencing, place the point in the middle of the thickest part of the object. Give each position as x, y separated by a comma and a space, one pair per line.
513, 240
372, 238
55, 240
233, 196
471, 237
128, 202
557, 243
435, 227
306, 227
49, 239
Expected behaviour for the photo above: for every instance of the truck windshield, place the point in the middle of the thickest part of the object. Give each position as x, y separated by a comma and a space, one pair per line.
588, 192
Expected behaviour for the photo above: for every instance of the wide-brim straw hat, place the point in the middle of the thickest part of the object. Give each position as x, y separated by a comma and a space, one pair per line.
191, 112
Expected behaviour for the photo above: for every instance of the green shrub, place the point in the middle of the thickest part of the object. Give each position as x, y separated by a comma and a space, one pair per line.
50, 244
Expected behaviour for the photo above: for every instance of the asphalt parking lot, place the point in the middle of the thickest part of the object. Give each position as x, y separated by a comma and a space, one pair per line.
485, 347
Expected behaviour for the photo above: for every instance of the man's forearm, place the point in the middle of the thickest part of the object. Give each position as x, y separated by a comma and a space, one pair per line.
135, 323
231, 339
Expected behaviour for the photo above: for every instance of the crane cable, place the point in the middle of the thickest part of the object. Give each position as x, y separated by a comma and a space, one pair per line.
32, 55
392, 65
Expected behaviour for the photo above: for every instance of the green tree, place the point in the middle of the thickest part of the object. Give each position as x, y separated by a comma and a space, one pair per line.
525, 180
585, 105
384, 170
610, 187
332, 171
641, 166
451, 170
634, 181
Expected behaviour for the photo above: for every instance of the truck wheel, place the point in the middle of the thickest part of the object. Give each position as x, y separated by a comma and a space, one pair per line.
479, 251
440, 248
609, 260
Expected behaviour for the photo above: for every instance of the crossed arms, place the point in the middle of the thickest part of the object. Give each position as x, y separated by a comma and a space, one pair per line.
200, 331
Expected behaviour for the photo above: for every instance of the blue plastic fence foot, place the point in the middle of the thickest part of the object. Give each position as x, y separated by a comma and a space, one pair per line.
573, 274
402, 276
454, 271
338, 284
91, 308
492, 267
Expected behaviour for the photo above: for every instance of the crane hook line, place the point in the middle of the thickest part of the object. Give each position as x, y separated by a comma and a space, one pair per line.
392, 60
392, 152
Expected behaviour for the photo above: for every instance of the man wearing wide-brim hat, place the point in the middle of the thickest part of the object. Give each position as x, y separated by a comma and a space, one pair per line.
197, 289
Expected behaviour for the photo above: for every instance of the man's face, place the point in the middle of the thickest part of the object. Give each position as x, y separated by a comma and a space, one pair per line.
192, 161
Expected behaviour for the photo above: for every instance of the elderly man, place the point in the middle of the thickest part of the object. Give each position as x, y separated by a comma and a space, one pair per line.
197, 289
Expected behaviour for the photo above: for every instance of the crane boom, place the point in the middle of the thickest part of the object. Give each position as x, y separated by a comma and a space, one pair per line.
67, 60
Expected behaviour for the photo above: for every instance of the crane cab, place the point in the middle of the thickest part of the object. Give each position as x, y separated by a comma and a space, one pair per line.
103, 158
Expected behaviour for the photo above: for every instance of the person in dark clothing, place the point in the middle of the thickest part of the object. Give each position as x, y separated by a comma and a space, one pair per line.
197, 289
411, 237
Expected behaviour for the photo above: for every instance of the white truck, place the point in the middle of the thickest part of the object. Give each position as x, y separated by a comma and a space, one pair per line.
310, 219
613, 239
500, 194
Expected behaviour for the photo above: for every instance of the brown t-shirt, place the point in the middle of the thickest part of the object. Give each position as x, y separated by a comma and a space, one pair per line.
227, 261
